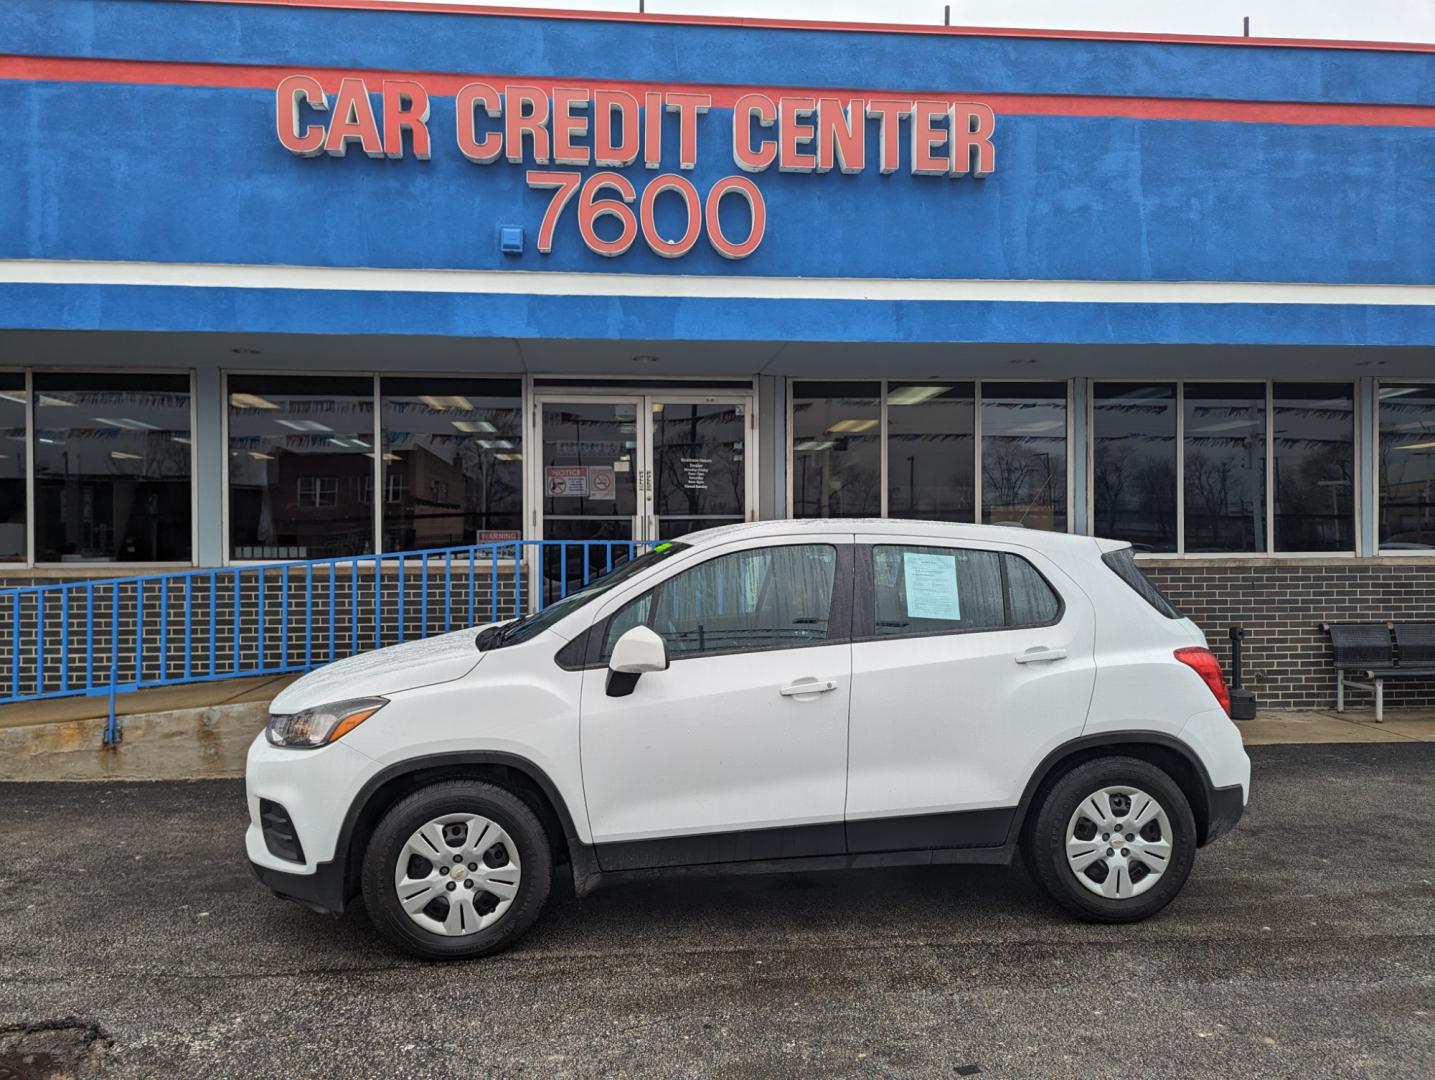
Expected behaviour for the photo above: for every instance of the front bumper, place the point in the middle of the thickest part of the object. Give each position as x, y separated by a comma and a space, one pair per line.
322, 891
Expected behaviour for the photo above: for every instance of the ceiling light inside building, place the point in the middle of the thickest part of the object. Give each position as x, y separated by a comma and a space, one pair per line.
257, 456
126, 423
1418, 446
250, 401
914, 395
447, 403
847, 427
473, 426
123, 456
304, 425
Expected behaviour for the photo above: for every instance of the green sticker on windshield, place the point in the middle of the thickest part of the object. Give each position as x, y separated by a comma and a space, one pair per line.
663, 547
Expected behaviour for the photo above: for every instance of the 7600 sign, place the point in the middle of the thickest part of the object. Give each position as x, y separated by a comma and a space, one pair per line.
700, 215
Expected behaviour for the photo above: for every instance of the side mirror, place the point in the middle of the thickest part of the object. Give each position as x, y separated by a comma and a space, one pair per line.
635, 653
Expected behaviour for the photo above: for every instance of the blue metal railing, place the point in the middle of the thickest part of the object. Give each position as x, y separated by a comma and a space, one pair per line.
112, 636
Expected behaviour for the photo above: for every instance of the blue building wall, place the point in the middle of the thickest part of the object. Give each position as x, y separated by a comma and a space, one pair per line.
165, 170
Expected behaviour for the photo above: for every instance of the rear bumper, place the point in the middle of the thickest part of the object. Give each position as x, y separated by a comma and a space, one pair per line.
321, 891
1226, 805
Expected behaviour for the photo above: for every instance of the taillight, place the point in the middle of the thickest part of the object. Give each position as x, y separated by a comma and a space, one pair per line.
1204, 663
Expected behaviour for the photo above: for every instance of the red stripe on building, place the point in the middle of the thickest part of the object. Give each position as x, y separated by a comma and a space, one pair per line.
433, 8
266, 77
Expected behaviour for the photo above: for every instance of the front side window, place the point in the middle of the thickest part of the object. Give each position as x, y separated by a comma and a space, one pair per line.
1407, 466
762, 598
301, 466
14, 444
112, 468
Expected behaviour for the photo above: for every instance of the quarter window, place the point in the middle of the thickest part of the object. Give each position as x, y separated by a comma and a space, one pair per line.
762, 598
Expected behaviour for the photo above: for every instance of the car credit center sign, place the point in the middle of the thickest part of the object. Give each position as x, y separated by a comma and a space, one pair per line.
597, 125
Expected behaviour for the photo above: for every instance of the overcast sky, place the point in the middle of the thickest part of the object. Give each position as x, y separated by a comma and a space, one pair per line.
1368, 20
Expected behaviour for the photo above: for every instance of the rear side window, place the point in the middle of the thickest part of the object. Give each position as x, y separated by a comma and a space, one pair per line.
1123, 565
936, 590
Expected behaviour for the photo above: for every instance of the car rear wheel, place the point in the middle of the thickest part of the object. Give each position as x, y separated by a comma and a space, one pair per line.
457, 870
1113, 841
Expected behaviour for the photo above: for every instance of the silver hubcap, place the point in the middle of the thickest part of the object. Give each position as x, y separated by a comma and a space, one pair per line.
457, 874
1118, 843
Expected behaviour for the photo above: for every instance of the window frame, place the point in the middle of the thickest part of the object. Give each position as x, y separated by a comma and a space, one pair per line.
864, 616
1375, 495
839, 613
1270, 551
882, 408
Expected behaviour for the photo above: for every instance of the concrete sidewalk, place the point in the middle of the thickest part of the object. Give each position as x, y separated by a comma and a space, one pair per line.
203, 731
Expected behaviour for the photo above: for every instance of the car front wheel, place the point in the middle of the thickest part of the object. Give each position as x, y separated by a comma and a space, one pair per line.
1113, 841
457, 870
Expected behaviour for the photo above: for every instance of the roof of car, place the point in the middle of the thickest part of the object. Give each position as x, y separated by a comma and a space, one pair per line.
946, 530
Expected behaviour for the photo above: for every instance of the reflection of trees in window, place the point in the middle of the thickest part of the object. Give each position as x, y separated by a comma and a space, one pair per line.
1134, 463
1024, 454
1314, 467
1407, 465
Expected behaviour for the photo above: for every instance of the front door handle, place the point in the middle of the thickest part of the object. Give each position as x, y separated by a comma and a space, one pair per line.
1041, 656
803, 687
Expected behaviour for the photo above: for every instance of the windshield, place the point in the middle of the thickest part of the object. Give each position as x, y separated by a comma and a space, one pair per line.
530, 626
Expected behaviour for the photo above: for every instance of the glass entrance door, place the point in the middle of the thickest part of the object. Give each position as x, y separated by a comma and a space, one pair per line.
700, 467
634, 467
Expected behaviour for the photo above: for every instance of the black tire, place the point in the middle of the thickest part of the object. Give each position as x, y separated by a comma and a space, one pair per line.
410, 813
1045, 841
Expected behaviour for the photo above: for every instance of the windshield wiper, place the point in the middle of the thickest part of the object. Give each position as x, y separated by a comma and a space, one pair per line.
491, 636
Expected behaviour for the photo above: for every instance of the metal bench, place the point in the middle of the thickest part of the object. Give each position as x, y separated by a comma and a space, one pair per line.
1379, 651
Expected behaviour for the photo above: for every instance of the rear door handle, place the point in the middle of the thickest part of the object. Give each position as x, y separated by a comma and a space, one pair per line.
807, 686
1041, 656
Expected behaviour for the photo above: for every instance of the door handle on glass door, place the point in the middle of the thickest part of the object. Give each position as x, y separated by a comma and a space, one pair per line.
803, 687
1041, 656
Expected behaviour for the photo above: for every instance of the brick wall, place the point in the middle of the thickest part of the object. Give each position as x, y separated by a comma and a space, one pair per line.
1281, 603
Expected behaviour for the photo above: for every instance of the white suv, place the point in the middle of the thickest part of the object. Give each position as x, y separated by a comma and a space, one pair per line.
777, 695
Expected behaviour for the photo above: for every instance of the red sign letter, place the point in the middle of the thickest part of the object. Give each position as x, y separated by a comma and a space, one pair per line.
525, 113
972, 127
406, 105
890, 113
605, 104
353, 121
566, 126
841, 136
687, 106
747, 107
464, 103
310, 141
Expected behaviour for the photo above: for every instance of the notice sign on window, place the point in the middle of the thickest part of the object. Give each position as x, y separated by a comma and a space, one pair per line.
566, 481
931, 586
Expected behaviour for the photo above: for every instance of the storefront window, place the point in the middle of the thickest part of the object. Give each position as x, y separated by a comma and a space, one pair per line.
1024, 454
301, 466
1225, 466
453, 462
1133, 433
931, 458
1314, 466
112, 468
1407, 466
13, 442
836, 449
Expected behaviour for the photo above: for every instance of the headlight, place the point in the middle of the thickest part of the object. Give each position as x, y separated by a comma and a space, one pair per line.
323, 724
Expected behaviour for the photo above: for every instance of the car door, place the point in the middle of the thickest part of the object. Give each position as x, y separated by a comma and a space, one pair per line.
739, 749
970, 662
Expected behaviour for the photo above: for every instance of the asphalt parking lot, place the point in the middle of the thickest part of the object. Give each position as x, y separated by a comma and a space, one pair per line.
133, 938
